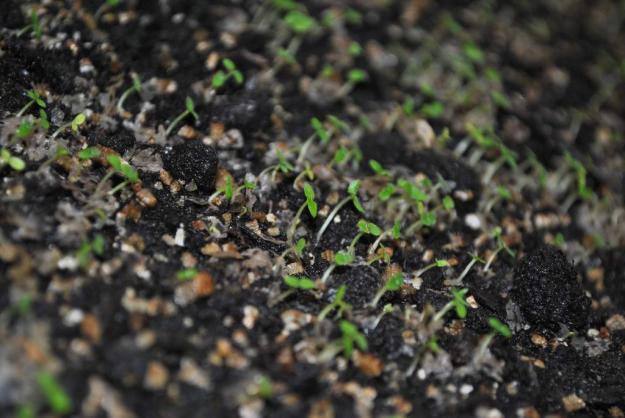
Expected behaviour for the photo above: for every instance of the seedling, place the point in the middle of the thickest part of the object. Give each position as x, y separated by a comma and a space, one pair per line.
394, 232
134, 88
437, 263
121, 168
35, 98
58, 400
392, 285
89, 153
433, 110
497, 327
341, 259
88, 249
324, 134
186, 274
474, 259
501, 245
75, 124
283, 166
24, 130
309, 204
294, 283
354, 77
354, 49
44, 122
378, 169
306, 172
34, 27
387, 309
58, 153
583, 191
364, 228
352, 196
337, 304
351, 336
221, 77
12, 161
299, 22
229, 191
189, 111
264, 387
458, 303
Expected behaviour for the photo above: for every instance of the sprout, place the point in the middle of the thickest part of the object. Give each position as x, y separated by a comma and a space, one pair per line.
583, 191
473, 52
448, 203
220, 78
264, 387
58, 400
75, 124
458, 281
324, 134
354, 76
44, 123
341, 259
433, 110
299, 22
497, 327
364, 228
35, 98
378, 169
34, 27
354, 49
186, 274
24, 130
437, 263
350, 336
121, 168
89, 153
338, 303
88, 249
352, 196
294, 283
387, 192
387, 309
12, 161
501, 245
458, 303
392, 285
189, 111
134, 88
309, 204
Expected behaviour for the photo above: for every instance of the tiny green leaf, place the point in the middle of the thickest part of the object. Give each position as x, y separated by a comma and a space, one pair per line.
353, 187
386, 193
98, 245
89, 153
25, 129
299, 22
186, 274
441, 263
377, 168
58, 400
356, 75
229, 64
78, 121
395, 282
219, 79
396, 229
448, 203
17, 163
499, 327
343, 258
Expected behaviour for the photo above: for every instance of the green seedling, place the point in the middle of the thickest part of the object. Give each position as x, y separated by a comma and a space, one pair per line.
433, 110
387, 309
458, 303
437, 263
264, 387
448, 203
230, 190
12, 161
134, 88
392, 285
378, 169
186, 275
394, 232
58, 153
473, 52
354, 76
43, 120
583, 191
90, 248
338, 304
354, 49
322, 133
427, 218
75, 124
294, 283
221, 77
297, 249
283, 166
364, 228
89, 153
498, 328
58, 400
474, 259
352, 196
24, 130
34, 27
299, 22
120, 168
309, 204
307, 172
341, 259
35, 98
501, 245
189, 111
351, 336
26, 411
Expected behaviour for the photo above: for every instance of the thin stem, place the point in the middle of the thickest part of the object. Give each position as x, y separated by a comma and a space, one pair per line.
304, 150
25, 108
378, 296
118, 187
483, 347
466, 270
378, 319
102, 182
377, 242
291, 231
424, 269
122, 100
281, 297
331, 216
491, 259
492, 169
440, 314
327, 273
61, 129
176, 122
325, 311
352, 247
24, 30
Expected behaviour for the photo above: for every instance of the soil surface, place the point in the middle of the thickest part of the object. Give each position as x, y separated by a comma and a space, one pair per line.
372, 208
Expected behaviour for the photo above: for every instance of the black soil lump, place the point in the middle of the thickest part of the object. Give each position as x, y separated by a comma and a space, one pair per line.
193, 160
547, 291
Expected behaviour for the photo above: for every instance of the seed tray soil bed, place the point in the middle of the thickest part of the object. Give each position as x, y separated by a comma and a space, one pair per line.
372, 208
